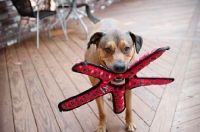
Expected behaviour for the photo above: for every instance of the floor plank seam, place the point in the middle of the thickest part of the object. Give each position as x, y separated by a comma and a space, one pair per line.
186, 121
11, 98
69, 77
188, 107
181, 48
192, 20
140, 117
65, 73
28, 94
152, 92
25, 47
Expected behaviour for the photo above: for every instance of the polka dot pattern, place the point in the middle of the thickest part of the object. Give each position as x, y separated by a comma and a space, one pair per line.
106, 76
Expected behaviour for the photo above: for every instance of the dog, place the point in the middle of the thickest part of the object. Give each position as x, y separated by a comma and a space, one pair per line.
110, 46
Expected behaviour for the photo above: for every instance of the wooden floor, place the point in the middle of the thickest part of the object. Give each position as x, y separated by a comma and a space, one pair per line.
33, 82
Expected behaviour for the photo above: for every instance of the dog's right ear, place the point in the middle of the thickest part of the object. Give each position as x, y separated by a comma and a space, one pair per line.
95, 39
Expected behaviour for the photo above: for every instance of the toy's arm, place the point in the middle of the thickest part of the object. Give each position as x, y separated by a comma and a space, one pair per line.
145, 81
144, 61
119, 93
84, 97
92, 70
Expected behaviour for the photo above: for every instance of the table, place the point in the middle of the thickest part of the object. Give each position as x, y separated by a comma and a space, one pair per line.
63, 16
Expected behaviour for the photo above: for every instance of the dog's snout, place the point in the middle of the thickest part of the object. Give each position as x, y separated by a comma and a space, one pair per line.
119, 67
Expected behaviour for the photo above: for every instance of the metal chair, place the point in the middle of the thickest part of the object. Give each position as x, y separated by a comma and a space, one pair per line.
25, 9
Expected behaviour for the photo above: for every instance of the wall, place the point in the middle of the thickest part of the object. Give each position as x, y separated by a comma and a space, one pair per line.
9, 19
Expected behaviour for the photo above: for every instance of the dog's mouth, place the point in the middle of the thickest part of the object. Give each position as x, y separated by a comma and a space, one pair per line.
118, 81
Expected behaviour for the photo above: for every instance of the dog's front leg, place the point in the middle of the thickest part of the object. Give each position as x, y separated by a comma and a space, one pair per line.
130, 126
102, 115
100, 104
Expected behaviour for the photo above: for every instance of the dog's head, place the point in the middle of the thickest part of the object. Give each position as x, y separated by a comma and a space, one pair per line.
116, 48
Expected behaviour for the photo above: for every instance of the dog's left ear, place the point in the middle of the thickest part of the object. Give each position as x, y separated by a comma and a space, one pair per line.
95, 38
137, 40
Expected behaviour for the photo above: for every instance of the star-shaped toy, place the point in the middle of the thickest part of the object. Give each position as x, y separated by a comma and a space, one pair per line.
106, 76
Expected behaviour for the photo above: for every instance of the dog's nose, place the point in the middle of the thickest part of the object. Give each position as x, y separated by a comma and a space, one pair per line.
119, 67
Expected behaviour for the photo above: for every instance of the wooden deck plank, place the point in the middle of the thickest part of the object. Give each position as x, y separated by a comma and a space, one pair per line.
193, 67
188, 102
169, 56
69, 47
191, 82
80, 86
156, 68
192, 74
164, 116
193, 126
78, 41
188, 105
67, 122
151, 100
67, 50
143, 110
144, 6
24, 119
65, 83
6, 114
149, 72
194, 61
195, 55
150, 30
189, 92
40, 104
162, 64
156, 90
77, 50
186, 115
196, 48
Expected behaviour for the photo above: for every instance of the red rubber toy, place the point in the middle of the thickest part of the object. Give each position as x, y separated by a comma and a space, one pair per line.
106, 76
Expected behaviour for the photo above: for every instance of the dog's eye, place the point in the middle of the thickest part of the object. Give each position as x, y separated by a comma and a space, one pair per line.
127, 49
108, 50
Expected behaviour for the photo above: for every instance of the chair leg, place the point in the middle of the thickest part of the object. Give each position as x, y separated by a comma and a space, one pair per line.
38, 31
52, 26
45, 25
63, 25
19, 36
66, 17
81, 21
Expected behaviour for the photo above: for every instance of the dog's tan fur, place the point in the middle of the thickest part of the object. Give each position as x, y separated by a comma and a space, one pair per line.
111, 46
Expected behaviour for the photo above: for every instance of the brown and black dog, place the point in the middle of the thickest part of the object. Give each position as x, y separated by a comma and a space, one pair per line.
110, 46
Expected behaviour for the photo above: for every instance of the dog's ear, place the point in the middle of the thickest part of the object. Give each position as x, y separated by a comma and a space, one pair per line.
137, 40
95, 38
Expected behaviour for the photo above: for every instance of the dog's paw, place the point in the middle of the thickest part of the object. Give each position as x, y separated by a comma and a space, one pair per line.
101, 129
130, 127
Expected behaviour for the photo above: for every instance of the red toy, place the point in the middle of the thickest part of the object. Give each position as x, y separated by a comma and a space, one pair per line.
106, 76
